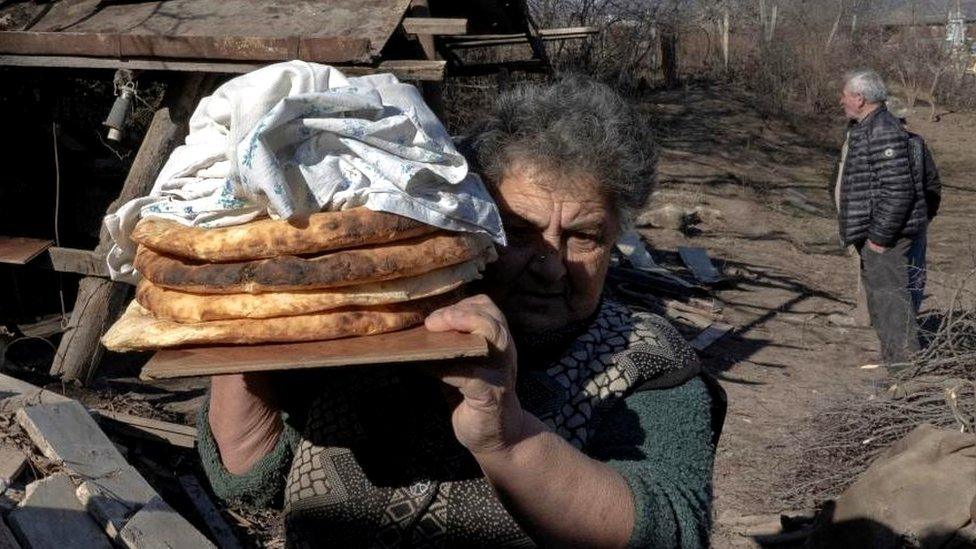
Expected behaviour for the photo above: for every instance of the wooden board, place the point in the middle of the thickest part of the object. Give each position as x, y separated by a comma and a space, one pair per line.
335, 31
209, 513
415, 344
434, 25
18, 250
701, 266
406, 69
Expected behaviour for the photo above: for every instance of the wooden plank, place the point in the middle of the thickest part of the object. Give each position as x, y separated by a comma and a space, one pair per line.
43, 328
51, 517
71, 260
406, 69
468, 44
59, 43
18, 250
710, 335
434, 25
7, 540
552, 34
183, 436
415, 344
15, 394
331, 49
701, 266
369, 21
12, 464
237, 48
158, 526
208, 512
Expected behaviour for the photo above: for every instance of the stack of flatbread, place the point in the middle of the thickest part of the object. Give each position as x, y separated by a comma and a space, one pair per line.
337, 274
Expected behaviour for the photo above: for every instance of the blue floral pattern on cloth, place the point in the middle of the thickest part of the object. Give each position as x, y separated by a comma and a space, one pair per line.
294, 138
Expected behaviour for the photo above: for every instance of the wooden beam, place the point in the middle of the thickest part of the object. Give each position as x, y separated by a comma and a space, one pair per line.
183, 436
551, 34
434, 25
208, 512
467, 44
492, 40
43, 328
229, 48
404, 69
72, 260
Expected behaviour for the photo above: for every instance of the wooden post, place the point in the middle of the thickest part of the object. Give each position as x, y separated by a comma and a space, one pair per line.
100, 300
433, 92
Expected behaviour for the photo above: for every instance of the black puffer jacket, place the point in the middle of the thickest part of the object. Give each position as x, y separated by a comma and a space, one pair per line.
878, 198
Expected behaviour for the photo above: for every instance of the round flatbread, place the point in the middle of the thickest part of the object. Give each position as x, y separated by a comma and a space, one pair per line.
186, 307
288, 273
265, 238
137, 329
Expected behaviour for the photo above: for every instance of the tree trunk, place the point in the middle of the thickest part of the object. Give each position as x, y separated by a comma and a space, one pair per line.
99, 300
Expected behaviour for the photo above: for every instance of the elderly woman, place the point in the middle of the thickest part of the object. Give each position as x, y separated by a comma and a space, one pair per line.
589, 425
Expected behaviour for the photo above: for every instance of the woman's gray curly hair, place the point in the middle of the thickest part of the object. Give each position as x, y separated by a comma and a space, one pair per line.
574, 125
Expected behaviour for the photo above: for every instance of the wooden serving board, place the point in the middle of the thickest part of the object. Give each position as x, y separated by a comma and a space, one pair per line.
412, 345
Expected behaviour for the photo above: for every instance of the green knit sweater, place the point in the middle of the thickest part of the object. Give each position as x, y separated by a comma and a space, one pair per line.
659, 440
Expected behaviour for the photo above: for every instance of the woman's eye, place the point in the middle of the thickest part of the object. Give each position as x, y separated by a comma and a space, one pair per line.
585, 241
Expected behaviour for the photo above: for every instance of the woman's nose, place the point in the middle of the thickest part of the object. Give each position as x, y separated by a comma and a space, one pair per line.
549, 263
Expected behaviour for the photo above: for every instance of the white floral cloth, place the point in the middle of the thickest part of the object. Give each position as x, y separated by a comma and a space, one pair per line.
295, 138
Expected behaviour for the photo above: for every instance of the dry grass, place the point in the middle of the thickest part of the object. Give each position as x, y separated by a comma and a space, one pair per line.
846, 434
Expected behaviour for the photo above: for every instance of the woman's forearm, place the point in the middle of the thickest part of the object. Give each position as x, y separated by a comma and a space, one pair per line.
243, 419
558, 495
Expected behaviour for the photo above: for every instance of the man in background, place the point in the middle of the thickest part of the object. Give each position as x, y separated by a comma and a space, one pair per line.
882, 212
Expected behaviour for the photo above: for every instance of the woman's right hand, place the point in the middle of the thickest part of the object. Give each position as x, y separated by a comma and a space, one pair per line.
244, 419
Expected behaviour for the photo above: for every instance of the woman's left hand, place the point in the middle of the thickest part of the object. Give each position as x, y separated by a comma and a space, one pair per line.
489, 417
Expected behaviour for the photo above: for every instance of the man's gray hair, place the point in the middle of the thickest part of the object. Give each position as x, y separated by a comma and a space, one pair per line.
572, 126
868, 84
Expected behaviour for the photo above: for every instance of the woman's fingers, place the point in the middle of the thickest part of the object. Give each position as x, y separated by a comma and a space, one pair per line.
477, 315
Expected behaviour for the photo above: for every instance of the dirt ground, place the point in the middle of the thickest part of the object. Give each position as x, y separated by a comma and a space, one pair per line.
760, 186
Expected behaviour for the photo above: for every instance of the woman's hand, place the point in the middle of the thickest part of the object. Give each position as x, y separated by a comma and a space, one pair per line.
488, 417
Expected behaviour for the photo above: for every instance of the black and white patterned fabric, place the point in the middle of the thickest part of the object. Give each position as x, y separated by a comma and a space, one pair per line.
378, 464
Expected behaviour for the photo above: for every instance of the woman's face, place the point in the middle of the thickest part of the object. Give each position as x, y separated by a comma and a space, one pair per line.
560, 234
